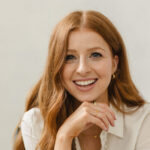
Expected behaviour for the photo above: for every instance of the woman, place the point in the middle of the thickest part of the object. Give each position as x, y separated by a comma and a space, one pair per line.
85, 98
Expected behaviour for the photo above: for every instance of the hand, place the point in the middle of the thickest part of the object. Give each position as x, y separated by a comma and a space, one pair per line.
86, 115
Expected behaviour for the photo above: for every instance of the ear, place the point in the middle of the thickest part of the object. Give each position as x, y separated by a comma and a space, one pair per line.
115, 61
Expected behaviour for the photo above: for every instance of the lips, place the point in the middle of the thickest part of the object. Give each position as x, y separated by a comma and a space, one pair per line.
84, 87
86, 79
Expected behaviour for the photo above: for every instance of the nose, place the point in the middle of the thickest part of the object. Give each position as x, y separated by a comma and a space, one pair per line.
83, 67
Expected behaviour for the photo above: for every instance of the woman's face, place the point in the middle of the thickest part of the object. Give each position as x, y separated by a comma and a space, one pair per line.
89, 66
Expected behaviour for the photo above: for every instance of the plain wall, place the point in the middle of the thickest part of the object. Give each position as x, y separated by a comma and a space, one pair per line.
25, 28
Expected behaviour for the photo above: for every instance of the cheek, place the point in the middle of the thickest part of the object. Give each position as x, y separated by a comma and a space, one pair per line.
66, 73
104, 68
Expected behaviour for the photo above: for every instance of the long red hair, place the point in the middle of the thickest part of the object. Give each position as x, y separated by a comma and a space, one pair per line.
49, 95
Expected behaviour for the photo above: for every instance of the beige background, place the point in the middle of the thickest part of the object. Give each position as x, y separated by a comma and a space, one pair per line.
25, 28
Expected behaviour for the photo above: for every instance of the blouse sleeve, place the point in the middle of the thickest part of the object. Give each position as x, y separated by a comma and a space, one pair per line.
31, 129
143, 140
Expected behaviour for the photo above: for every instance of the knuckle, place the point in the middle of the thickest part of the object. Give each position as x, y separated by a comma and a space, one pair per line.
104, 110
102, 116
85, 115
85, 109
85, 104
105, 106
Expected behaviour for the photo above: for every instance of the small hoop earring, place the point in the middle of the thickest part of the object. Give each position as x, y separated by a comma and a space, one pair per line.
114, 76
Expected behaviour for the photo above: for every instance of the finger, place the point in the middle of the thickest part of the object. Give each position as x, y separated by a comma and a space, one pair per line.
105, 110
109, 117
101, 116
105, 106
96, 121
104, 119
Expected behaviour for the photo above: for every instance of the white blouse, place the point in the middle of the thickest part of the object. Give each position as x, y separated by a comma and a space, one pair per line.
131, 132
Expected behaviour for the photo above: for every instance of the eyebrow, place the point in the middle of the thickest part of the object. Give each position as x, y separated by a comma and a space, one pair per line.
89, 49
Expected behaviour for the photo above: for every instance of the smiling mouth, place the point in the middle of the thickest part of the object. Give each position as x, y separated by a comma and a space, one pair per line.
85, 83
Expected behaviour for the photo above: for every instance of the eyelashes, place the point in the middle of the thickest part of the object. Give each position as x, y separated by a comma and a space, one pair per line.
93, 55
96, 54
69, 57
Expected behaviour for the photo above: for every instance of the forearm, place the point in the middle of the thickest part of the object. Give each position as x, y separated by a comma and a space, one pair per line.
63, 143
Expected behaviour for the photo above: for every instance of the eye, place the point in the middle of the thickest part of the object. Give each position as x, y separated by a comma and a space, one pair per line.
96, 54
69, 57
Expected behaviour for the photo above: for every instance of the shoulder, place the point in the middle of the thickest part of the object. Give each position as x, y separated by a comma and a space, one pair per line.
139, 115
32, 122
33, 115
144, 110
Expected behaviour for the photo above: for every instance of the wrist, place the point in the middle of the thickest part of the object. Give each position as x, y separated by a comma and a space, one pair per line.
62, 142
63, 136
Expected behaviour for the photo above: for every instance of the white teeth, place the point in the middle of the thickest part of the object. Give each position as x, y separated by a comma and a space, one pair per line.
84, 82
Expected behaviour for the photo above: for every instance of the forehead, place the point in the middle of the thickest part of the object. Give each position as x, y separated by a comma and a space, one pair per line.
86, 39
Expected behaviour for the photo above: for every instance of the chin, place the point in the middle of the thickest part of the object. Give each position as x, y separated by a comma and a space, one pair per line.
84, 99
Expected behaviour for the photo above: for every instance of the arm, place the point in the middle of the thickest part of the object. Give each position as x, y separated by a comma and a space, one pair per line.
143, 140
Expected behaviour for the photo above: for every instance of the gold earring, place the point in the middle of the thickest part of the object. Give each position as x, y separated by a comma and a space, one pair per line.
94, 102
114, 76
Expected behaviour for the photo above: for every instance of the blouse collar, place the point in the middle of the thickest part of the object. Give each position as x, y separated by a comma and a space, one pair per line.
117, 130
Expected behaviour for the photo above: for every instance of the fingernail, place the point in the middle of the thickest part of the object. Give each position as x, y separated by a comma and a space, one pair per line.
105, 128
113, 124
